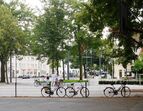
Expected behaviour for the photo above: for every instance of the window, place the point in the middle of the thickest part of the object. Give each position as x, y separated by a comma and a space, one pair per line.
120, 73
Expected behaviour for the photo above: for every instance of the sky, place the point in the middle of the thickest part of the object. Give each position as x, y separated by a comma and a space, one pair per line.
33, 3
36, 5
30, 3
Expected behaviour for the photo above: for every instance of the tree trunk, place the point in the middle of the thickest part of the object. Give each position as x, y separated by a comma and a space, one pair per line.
10, 68
85, 71
79, 52
6, 74
2, 71
80, 60
57, 63
53, 67
63, 70
80, 69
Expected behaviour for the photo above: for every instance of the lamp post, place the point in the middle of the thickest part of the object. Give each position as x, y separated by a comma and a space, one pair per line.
15, 76
16, 58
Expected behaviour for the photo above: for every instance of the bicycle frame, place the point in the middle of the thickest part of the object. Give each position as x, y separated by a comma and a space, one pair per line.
117, 90
77, 89
54, 89
38, 81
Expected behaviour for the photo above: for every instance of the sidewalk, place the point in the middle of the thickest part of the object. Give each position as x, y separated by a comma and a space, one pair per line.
25, 87
97, 90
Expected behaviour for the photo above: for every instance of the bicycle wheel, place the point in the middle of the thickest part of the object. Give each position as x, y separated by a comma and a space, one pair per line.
84, 92
109, 92
125, 92
61, 92
45, 91
70, 92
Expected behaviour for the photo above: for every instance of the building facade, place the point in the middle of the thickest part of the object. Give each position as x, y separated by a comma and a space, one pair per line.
121, 72
28, 65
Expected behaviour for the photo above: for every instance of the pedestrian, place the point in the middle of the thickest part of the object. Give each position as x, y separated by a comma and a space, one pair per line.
48, 82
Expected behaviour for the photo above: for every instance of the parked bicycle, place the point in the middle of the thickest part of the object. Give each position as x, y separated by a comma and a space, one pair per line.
37, 82
72, 91
111, 91
46, 91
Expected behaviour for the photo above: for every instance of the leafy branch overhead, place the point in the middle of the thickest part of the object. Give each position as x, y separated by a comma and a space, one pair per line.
99, 14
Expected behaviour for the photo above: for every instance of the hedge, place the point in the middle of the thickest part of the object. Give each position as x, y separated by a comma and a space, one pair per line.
119, 82
70, 81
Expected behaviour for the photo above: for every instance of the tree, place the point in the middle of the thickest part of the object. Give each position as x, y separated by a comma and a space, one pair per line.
99, 14
26, 20
138, 64
84, 38
50, 32
15, 28
11, 37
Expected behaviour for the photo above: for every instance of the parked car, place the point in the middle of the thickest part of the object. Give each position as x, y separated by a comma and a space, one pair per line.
20, 76
25, 77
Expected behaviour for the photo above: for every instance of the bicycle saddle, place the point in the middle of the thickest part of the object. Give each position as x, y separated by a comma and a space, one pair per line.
124, 82
72, 84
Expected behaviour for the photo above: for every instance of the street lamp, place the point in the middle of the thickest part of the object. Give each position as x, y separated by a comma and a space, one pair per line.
15, 76
11, 69
16, 58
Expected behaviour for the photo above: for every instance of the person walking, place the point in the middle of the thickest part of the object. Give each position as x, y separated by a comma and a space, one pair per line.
48, 82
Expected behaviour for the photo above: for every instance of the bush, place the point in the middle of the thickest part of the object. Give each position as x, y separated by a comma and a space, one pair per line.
119, 82
70, 81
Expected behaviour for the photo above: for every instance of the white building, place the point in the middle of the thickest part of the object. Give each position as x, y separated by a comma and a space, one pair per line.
29, 65
120, 71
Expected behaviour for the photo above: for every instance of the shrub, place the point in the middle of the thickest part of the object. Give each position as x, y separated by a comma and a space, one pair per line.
70, 81
119, 82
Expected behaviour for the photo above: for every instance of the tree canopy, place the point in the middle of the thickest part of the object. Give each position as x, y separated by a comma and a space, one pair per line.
72, 27
13, 36
51, 31
99, 14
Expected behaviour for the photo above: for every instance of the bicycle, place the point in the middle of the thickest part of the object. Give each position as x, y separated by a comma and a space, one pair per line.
46, 91
37, 82
111, 91
71, 91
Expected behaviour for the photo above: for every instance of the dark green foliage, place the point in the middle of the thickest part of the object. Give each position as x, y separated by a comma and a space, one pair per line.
51, 31
102, 13
119, 82
12, 34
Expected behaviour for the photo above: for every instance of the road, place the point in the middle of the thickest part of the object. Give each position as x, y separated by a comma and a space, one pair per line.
71, 104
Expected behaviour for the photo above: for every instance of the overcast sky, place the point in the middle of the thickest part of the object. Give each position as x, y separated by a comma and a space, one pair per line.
33, 3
